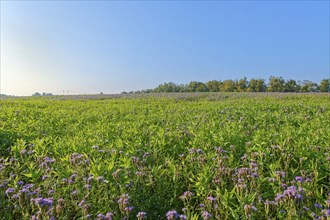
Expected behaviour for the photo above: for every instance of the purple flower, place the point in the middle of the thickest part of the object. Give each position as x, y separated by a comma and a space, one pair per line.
82, 202
244, 157
42, 201
128, 209
33, 217
306, 208
243, 171
299, 179
308, 180
271, 180
45, 177
20, 183
90, 179
9, 190
299, 197
47, 202
326, 212
171, 215
146, 155
23, 190
278, 197
15, 196
100, 216
212, 199
32, 193
254, 175
86, 207
199, 151
183, 217
290, 192
141, 215
124, 199
109, 216
186, 195
318, 206
100, 178
87, 186
280, 173
206, 215
284, 185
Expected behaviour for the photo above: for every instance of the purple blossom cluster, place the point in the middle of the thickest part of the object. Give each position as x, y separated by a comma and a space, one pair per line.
108, 216
141, 215
46, 162
43, 201
186, 195
171, 215
206, 215
124, 206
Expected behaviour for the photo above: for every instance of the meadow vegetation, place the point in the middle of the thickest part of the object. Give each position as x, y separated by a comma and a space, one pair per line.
197, 156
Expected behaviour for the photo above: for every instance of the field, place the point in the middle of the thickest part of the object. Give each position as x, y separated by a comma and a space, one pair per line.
197, 156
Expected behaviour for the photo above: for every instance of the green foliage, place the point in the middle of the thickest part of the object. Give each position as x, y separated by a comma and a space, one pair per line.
241, 155
257, 85
275, 84
325, 85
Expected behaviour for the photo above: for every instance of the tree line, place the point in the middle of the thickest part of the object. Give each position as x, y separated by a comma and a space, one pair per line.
275, 84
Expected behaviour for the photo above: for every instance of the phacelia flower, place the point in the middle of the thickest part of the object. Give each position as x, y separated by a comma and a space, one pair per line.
206, 215
171, 215
141, 215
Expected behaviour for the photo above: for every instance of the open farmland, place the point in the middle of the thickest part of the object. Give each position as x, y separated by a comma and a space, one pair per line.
198, 156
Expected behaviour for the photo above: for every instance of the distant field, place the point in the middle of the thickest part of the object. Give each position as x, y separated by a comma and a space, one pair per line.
166, 156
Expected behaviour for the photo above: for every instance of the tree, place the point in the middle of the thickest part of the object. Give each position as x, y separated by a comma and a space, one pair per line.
201, 87
195, 86
325, 85
229, 86
257, 85
36, 94
308, 86
276, 84
291, 86
167, 87
213, 85
242, 85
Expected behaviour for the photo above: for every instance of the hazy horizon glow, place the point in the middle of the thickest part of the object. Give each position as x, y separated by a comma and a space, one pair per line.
88, 47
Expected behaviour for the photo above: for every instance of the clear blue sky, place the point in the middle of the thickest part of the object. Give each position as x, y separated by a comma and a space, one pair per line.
91, 47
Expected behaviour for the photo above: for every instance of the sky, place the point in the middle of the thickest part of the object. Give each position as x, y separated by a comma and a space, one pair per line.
88, 47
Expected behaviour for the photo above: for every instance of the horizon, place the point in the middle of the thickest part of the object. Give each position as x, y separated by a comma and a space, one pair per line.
112, 47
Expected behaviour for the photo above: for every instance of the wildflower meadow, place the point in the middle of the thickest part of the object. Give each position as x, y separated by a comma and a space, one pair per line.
197, 156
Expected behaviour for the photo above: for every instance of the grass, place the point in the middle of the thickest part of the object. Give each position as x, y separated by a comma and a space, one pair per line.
201, 156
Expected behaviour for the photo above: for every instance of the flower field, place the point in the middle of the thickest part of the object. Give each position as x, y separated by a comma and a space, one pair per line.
200, 156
